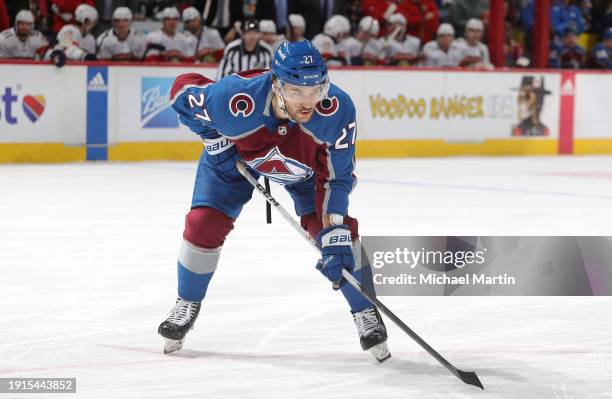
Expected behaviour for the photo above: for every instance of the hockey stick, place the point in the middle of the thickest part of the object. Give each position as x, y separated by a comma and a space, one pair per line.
468, 377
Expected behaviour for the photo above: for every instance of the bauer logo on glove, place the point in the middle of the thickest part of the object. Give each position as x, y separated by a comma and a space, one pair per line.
336, 253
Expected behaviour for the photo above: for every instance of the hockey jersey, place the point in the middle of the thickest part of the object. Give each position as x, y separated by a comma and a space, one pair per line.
236, 113
435, 56
477, 55
602, 56
358, 51
110, 47
75, 45
406, 50
177, 42
11, 46
331, 51
209, 40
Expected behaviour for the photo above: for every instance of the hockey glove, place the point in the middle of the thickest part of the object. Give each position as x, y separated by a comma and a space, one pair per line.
336, 253
58, 57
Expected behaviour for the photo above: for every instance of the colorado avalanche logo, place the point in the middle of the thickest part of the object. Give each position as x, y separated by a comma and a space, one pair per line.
328, 106
241, 103
279, 168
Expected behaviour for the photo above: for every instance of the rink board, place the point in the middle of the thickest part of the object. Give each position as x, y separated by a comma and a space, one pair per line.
122, 112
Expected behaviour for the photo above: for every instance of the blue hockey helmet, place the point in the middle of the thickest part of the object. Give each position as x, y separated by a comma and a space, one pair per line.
299, 64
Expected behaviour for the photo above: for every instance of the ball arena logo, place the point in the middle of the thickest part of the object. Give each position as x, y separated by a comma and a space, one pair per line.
33, 106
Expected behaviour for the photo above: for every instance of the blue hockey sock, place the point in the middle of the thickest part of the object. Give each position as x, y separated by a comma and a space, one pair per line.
192, 286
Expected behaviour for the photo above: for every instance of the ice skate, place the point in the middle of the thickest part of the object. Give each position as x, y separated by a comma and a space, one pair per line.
372, 333
177, 325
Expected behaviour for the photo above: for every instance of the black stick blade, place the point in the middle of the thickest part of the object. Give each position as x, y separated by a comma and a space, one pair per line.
470, 377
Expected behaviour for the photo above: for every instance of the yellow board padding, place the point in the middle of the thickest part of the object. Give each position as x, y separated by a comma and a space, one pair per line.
592, 146
190, 151
155, 151
185, 151
437, 148
40, 153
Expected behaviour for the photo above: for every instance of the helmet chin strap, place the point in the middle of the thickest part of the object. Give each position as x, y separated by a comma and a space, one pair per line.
278, 92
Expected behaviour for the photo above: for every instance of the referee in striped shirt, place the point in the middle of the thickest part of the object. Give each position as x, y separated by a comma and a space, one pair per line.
245, 53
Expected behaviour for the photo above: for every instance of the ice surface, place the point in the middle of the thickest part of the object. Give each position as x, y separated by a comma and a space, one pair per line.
87, 262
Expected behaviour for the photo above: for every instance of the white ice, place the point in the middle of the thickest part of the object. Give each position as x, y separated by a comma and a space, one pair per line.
87, 272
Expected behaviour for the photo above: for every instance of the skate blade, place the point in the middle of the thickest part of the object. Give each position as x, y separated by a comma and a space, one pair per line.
173, 345
380, 352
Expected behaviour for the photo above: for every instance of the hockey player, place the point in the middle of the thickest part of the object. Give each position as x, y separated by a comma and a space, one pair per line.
120, 43
75, 41
166, 44
329, 43
366, 48
296, 28
474, 53
294, 127
267, 27
22, 40
204, 43
402, 49
602, 52
443, 52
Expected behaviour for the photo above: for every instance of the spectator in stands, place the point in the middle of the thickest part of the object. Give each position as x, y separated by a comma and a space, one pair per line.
267, 28
366, 48
569, 55
473, 52
403, 49
565, 15
121, 43
318, 12
63, 12
329, 43
275, 10
381, 10
22, 40
422, 18
527, 17
602, 15
246, 53
443, 52
602, 52
296, 28
514, 54
225, 16
462, 11
586, 8
204, 44
166, 44
74, 41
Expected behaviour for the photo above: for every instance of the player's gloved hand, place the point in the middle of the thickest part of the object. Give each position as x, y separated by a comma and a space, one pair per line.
58, 57
336, 253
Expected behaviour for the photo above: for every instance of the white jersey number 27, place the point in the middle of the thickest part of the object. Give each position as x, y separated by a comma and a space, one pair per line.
340, 144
